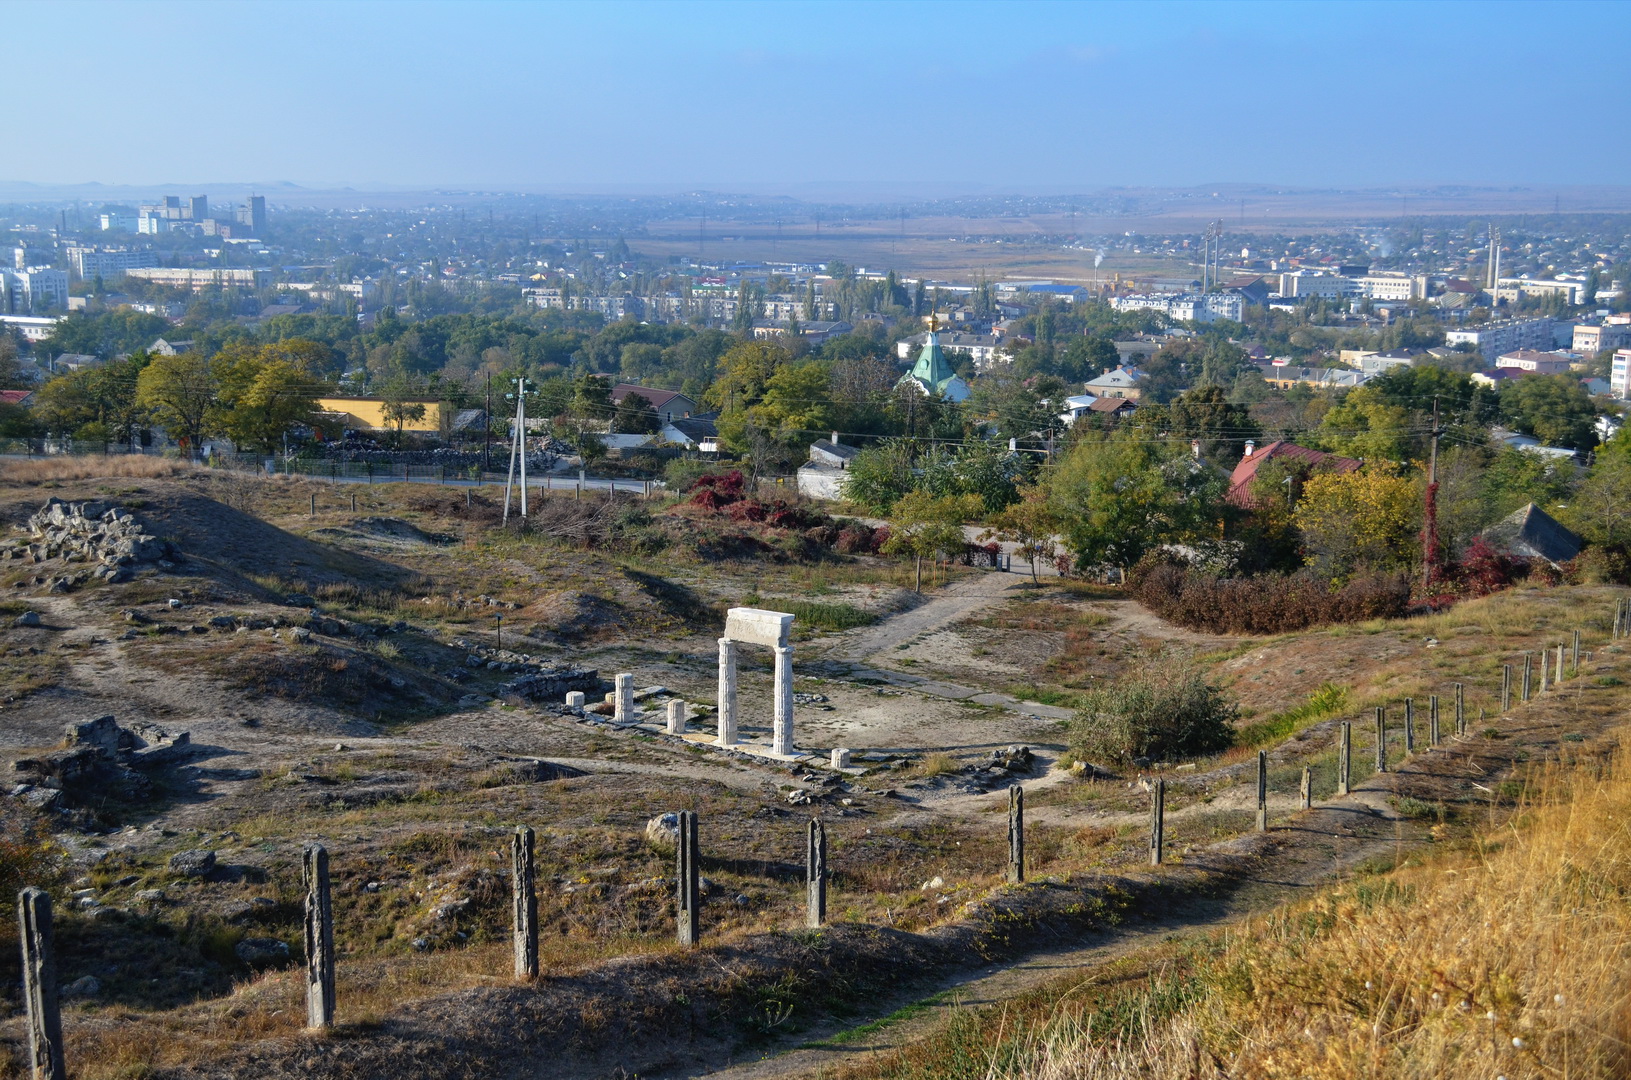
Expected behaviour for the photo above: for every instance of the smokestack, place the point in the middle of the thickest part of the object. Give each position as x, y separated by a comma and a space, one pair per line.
835, 439
1251, 447
1195, 449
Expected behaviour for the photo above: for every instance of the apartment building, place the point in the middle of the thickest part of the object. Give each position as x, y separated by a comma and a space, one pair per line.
1592, 338
1504, 336
1619, 374
28, 290
199, 278
88, 263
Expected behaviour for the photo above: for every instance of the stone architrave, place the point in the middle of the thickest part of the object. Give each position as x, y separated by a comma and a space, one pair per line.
727, 692
757, 626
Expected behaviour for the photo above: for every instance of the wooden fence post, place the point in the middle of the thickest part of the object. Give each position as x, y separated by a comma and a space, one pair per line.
40, 985
1528, 674
1345, 745
1557, 677
1409, 726
524, 903
690, 884
1432, 720
1545, 669
1262, 791
1016, 834
314, 504
1158, 821
353, 502
1381, 739
1506, 687
1574, 663
815, 876
1306, 788
319, 938
1460, 709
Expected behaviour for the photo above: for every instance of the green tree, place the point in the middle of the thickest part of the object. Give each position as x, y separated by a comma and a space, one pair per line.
881, 474
1553, 408
180, 392
1031, 524
398, 406
1206, 415
263, 393
635, 416
925, 526
1084, 357
1364, 425
1121, 496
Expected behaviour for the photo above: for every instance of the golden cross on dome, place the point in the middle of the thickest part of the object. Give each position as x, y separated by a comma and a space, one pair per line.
934, 321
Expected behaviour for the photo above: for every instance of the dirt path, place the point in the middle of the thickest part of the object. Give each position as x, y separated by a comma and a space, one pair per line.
957, 602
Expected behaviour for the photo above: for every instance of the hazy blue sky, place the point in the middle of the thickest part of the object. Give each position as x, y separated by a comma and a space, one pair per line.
1016, 95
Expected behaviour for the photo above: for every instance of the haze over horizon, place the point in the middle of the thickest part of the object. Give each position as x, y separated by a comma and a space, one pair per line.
815, 97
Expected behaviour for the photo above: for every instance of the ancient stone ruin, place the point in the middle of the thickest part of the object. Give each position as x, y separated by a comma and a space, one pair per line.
91, 532
758, 626
96, 756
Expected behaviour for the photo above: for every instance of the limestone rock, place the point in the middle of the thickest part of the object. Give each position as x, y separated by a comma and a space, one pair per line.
193, 863
663, 833
262, 952
88, 986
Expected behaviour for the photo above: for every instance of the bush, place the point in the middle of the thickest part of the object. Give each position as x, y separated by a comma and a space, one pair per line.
27, 855
681, 474
1269, 604
1163, 708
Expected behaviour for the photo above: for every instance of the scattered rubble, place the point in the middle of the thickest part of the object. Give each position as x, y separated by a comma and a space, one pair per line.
90, 532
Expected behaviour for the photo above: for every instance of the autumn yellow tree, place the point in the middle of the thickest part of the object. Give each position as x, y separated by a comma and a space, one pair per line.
1357, 521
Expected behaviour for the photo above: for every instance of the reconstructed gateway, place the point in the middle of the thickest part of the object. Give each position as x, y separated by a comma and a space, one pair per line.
756, 626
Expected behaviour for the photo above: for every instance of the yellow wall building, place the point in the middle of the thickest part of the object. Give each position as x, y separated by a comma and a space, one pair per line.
368, 413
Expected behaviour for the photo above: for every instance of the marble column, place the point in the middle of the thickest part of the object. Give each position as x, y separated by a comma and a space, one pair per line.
727, 692
676, 717
624, 703
782, 739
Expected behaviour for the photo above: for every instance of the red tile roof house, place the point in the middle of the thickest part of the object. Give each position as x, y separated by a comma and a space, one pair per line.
15, 397
1240, 481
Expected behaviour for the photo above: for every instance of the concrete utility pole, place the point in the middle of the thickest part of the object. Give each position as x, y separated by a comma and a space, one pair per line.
518, 450
1429, 532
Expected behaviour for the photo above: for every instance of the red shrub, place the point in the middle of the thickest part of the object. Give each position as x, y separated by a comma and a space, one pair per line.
714, 490
1268, 604
747, 510
1482, 570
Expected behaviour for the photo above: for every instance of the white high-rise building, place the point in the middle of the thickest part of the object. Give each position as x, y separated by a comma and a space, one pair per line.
24, 292
1619, 374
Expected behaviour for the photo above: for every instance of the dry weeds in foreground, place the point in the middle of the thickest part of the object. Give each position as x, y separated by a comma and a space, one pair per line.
78, 467
1514, 963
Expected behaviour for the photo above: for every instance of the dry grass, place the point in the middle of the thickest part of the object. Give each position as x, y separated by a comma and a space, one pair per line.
58, 469
1511, 961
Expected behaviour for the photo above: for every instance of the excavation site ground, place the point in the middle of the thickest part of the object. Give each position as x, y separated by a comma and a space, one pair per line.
389, 679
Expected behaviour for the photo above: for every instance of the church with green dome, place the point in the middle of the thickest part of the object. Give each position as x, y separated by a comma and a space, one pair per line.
932, 374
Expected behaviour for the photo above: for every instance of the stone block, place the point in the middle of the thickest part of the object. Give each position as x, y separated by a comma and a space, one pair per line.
840, 757
574, 700
758, 626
